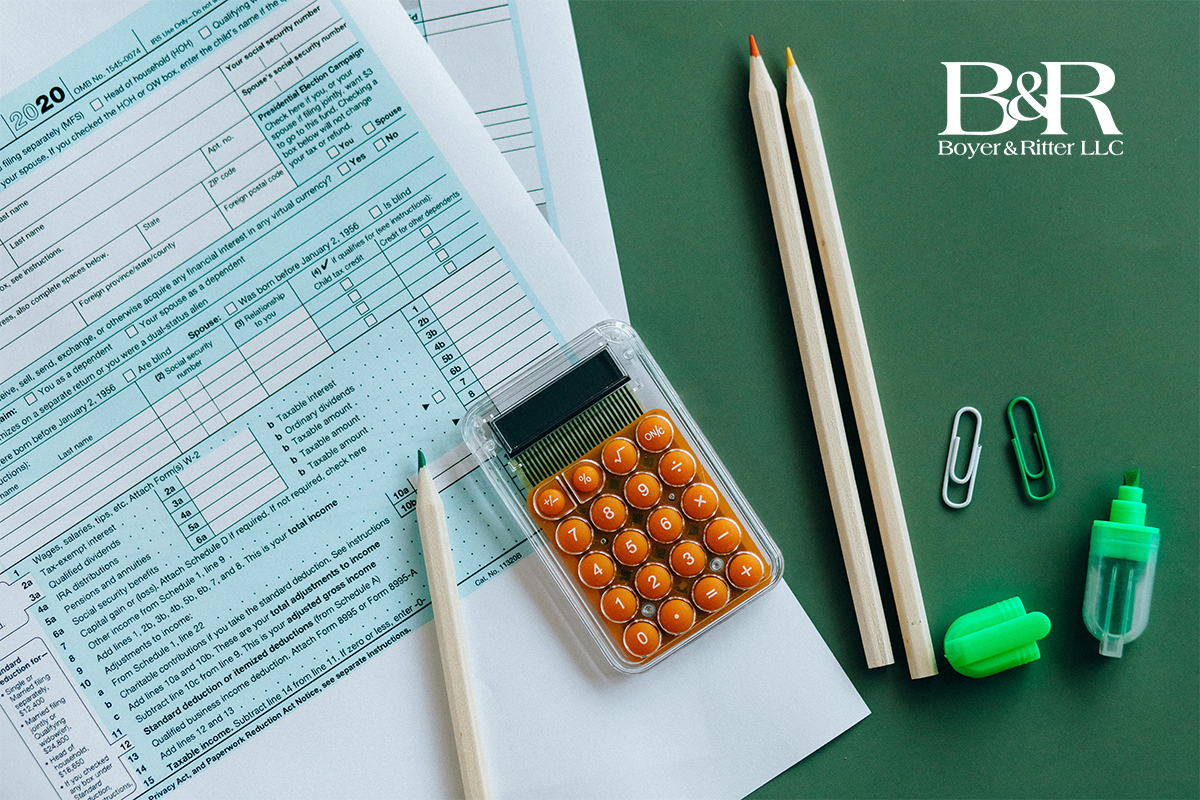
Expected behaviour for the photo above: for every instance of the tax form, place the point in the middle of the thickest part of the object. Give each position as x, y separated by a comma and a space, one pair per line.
245, 275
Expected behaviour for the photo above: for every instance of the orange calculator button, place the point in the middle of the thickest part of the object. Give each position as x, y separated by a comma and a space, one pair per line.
608, 513
700, 501
654, 433
664, 524
585, 479
722, 536
710, 593
573, 536
676, 615
677, 467
641, 638
596, 570
687, 559
745, 570
620, 456
653, 582
642, 490
551, 502
631, 547
618, 604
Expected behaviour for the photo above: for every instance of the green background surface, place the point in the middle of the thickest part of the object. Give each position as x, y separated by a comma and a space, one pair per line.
1073, 280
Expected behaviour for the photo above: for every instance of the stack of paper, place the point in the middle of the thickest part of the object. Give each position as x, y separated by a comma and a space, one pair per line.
254, 256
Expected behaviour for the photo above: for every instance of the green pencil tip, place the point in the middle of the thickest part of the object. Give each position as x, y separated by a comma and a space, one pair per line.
1132, 477
420, 460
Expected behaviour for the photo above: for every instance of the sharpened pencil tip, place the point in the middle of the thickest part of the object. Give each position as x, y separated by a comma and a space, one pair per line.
753, 47
420, 460
791, 61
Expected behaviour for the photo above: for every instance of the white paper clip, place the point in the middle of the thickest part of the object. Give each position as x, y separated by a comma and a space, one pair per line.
952, 458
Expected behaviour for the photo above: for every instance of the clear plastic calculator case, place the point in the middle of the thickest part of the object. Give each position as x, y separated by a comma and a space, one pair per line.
624, 499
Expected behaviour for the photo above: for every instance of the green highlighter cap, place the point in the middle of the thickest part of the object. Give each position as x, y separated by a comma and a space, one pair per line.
1120, 579
993, 639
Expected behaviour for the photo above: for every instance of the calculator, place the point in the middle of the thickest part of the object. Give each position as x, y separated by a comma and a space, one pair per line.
623, 497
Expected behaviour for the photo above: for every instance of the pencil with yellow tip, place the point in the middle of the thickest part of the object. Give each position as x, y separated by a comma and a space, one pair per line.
452, 643
864, 394
818, 369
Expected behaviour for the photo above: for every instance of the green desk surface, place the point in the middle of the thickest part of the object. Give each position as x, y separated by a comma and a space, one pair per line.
1072, 280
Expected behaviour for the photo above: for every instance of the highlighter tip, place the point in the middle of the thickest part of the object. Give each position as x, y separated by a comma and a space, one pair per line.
420, 459
753, 47
791, 61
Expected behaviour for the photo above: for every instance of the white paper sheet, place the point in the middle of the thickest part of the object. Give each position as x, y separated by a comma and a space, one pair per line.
381, 729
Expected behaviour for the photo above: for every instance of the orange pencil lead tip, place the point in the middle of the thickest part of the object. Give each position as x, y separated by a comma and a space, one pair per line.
791, 61
753, 47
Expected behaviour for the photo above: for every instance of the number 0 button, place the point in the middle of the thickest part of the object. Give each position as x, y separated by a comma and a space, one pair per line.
641, 638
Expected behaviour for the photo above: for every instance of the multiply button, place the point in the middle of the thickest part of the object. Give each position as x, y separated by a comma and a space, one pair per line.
700, 501
654, 433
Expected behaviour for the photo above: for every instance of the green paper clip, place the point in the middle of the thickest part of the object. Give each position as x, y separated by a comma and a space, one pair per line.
996, 638
1040, 440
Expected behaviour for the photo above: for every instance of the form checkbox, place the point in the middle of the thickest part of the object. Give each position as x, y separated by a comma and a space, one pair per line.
434, 243
355, 296
380, 144
30, 398
97, 104
438, 396
369, 128
346, 284
333, 152
131, 331
343, 168
129, 376
370, 318
375, 212
205, 32
442, 255
231, 309
449, 265
362, 308
426, 230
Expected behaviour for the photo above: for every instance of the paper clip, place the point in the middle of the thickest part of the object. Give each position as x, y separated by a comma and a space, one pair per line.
952, 458
1040, 440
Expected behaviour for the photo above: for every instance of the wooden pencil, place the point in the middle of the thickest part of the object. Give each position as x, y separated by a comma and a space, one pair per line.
864, 395
447, 618
818, 369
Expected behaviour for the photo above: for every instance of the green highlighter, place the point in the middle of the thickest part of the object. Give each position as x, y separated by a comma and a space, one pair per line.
1124, 550
993, 639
